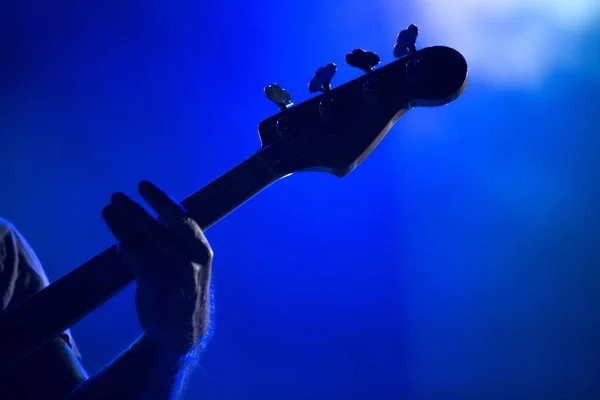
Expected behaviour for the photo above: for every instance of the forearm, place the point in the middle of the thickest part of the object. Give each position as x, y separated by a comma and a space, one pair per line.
141, 372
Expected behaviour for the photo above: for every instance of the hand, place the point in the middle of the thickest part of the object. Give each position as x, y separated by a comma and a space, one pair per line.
171, 260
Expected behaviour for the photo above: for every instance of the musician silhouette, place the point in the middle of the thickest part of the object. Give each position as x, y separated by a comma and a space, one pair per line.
174, 312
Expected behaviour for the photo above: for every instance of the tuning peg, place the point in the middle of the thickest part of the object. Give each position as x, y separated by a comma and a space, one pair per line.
406, 42
365, 60
279, 96
321, 82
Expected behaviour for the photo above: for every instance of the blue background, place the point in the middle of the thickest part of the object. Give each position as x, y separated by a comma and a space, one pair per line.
458, 262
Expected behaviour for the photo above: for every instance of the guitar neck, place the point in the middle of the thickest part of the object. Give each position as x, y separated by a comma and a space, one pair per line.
69, 299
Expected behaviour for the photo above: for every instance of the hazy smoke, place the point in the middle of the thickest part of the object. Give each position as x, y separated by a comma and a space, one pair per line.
512, 41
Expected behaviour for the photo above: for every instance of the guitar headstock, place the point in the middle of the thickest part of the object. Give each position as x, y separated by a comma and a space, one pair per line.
337, 129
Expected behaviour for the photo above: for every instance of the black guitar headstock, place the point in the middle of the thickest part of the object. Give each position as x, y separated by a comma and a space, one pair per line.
338, 128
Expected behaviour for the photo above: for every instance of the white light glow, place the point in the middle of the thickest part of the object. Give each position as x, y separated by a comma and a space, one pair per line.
508, 42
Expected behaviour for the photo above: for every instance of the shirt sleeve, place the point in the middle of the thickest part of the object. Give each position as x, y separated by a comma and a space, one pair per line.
21, 273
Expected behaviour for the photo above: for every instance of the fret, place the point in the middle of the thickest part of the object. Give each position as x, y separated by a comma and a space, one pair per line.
78, 293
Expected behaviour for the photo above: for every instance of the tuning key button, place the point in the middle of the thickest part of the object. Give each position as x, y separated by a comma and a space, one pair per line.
321, 82
365, 60
406, 42
279, 96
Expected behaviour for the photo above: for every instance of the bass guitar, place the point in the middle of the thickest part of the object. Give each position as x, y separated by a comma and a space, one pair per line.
332, 132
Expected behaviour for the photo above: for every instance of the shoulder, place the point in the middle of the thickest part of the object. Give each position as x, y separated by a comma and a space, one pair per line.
10, 234
6, 227
25, 256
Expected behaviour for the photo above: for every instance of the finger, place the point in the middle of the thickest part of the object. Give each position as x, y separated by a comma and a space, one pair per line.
143, 266
139, 255
122, 231
146, 232
177, 220
169, 211
139, 218
118, 225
